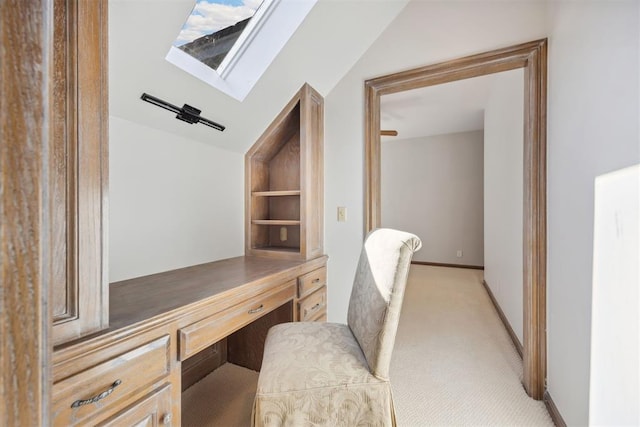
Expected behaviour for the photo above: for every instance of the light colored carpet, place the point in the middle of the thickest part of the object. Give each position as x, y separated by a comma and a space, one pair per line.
453, 364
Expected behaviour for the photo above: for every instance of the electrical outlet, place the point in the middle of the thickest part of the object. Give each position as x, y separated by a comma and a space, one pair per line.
459, 253
342, 214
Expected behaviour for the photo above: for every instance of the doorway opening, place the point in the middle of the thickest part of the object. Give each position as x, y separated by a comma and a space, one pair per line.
532, 58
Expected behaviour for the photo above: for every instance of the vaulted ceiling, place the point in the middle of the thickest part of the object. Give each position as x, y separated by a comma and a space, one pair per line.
332, 38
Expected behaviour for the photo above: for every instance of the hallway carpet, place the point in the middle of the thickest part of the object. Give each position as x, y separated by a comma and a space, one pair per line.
453, 364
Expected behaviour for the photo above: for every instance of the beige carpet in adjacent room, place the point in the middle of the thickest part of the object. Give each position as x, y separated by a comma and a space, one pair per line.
453, 364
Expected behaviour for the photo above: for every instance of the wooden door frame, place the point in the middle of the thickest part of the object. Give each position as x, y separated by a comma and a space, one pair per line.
25, 112
532, 57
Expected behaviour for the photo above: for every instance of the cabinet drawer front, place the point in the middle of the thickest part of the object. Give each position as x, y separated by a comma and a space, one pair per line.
101, 387
310, 307
202, 334
321, 318
312, 281
152, 410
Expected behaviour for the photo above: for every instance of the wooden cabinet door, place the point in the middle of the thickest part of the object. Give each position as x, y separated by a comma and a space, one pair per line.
78, 169
151, 411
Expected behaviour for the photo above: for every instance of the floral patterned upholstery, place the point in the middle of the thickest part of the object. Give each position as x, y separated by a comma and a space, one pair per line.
329, 374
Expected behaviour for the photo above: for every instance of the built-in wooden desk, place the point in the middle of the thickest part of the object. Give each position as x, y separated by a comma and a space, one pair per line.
132, 371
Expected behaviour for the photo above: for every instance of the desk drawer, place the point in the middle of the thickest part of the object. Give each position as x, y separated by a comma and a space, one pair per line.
98, 389
312, 306
202, 334
312, 281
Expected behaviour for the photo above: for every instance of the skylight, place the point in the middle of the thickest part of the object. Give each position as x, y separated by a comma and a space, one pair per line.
230, 43
213, 29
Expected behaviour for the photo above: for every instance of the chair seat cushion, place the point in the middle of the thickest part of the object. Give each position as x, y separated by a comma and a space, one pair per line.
316, 374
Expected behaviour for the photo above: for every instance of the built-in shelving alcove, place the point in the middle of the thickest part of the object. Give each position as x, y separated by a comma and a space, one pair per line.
284, 182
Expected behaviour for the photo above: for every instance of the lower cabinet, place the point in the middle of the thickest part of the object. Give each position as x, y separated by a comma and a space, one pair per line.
311, 304
150, 411
112, 382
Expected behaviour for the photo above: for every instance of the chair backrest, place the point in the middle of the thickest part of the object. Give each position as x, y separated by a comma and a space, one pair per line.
378, 290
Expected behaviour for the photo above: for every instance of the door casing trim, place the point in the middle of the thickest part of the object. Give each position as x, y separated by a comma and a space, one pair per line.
532, 57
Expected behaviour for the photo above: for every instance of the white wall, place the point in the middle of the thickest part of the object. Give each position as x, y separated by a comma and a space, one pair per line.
503, 194
432, 187
615, 331
173, 202
175, 199
592, 129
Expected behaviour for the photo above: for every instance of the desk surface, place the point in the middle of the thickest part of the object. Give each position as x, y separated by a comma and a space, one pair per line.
186, 310
135, 300
176, 296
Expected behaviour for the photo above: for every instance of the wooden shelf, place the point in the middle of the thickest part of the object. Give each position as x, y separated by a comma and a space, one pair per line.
278, 249
276, 193
275, 222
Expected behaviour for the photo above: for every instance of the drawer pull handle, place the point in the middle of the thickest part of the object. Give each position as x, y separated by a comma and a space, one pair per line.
166, 419
98, 397
257, 309
316, 280
308, 311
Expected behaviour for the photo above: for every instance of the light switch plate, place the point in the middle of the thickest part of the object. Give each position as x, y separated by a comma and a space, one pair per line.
342, 214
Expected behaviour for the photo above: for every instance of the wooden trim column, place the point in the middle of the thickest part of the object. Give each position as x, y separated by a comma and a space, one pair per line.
534, 251
25, 351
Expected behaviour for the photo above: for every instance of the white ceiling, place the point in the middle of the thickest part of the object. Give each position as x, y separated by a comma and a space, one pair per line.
436, 110
142, 31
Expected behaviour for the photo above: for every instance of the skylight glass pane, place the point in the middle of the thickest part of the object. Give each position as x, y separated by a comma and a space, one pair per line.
213, 27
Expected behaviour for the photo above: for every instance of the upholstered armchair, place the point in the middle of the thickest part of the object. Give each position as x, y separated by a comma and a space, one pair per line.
330, 374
